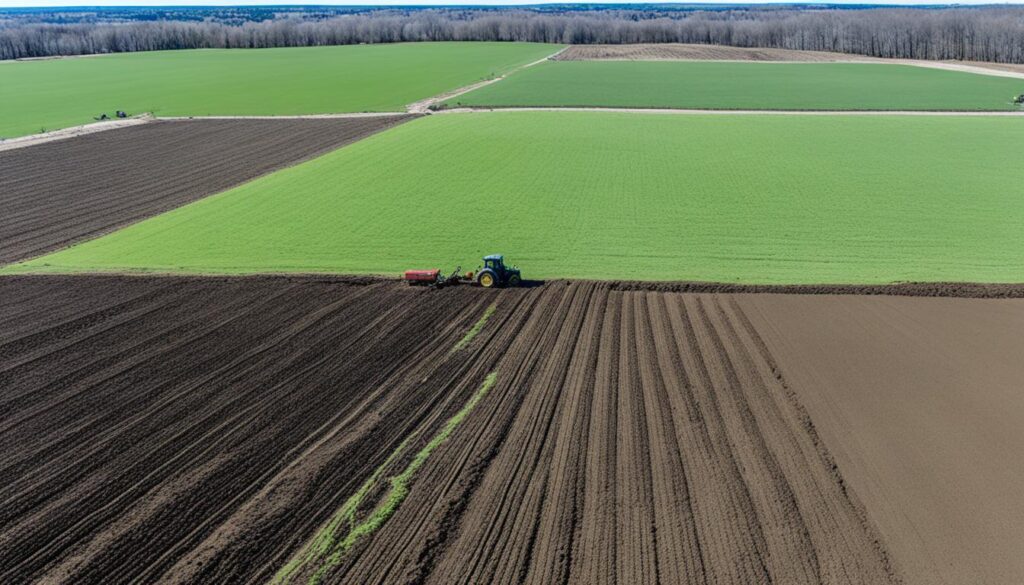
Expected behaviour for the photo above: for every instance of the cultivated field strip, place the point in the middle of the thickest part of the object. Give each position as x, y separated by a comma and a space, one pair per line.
200, 430
306, 430
631, 437
59, 193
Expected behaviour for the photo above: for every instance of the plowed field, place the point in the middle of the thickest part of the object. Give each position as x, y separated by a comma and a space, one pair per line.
59, 193
199, 430
634, 438
213, 430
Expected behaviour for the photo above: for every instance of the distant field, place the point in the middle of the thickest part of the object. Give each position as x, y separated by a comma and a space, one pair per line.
759, 199
51, 94
759, 86
691, 52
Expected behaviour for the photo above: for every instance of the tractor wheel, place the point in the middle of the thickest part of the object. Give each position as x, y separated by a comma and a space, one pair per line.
487, 280
514, 280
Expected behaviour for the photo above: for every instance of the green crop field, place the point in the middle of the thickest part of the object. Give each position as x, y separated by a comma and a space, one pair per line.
761, 86
760, 199
51, 94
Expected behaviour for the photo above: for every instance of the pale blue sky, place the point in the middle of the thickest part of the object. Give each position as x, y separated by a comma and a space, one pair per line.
50, 3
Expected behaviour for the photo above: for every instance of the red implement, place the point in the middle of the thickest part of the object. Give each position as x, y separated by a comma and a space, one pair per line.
421, 276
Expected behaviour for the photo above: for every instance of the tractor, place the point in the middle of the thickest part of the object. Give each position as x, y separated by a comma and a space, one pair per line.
495, 273
1019, 100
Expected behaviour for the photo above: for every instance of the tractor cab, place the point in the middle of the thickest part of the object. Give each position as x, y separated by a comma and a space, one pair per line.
495, 273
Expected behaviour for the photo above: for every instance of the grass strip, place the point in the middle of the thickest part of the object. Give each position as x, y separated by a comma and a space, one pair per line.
475, 329
330, 539
612, 196
746, 86
324, 540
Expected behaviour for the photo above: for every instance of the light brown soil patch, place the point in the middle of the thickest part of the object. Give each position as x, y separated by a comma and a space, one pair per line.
680, 51
59, 193
920, 402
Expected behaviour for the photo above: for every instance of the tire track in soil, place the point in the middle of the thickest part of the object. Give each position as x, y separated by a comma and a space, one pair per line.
209, 429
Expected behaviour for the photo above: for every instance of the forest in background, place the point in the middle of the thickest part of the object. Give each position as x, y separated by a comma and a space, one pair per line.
990, 33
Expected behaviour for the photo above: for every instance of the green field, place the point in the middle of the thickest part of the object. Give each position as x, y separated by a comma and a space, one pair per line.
760, 86
52, 94
760, 199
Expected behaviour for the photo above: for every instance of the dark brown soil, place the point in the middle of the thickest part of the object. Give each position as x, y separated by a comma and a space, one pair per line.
203, 430
58, 193
150, 424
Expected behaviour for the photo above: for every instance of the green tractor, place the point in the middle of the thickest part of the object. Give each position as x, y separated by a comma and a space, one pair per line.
495, 273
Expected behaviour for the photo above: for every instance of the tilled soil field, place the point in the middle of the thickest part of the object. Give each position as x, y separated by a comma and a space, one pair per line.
324, 430
631, 437
59, 193
198, 430
920, 402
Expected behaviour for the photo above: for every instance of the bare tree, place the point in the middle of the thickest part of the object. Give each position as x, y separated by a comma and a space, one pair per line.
984, 34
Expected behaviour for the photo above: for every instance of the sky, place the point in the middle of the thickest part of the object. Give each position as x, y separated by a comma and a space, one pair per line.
51, 3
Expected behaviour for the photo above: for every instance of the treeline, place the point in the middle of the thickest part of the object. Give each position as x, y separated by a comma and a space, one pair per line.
981, 34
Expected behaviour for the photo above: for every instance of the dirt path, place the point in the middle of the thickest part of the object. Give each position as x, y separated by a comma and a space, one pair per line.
58, 193
686, 112
423, 106
65, 133
919, 400
355, 115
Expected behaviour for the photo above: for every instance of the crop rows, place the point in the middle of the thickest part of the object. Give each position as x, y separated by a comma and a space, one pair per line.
199, 430
632, 437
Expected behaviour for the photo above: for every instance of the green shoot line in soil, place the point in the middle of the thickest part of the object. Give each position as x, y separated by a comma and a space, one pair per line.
475, 329
746, 86
754, 199
56, 93
329, 546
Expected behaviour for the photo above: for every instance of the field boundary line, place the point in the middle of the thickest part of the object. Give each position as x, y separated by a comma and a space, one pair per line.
697, 112
423, 106
286, 117
71, 132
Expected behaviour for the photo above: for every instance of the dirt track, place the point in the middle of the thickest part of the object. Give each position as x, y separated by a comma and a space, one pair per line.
681, 51
684, 52
203, 430
59, 193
